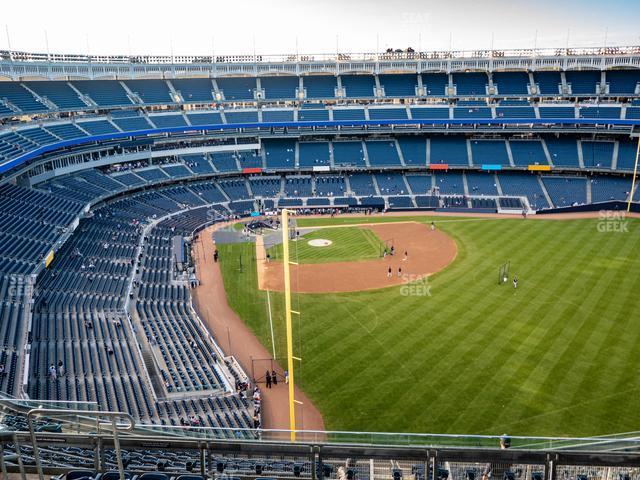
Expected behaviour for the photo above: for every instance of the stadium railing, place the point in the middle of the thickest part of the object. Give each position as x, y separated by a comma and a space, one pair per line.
86, 437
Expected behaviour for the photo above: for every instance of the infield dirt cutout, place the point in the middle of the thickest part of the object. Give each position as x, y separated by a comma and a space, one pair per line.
429, 251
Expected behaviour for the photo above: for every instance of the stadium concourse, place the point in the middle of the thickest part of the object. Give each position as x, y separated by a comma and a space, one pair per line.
112, 168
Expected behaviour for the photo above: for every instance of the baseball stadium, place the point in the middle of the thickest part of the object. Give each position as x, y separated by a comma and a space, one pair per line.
404, 263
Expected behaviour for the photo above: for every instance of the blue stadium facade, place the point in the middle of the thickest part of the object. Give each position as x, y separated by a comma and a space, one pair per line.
104, 159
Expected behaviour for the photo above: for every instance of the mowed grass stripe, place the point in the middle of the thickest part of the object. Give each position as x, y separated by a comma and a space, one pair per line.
478, 358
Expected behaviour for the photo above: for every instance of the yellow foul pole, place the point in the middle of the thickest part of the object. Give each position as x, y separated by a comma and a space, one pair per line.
635, 173
288, 311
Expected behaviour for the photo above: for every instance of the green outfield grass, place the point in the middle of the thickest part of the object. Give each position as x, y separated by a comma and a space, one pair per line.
558, 356
350, 244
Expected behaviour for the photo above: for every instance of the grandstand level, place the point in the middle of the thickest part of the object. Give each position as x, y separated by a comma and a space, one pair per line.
141, 265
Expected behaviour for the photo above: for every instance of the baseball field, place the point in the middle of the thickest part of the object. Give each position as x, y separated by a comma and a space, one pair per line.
457, 353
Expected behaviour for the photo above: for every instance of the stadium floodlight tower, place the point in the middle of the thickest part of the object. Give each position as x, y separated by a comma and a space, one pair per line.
286, 263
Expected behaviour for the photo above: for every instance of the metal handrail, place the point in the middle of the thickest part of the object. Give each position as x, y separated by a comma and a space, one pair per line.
98, 415
3, 467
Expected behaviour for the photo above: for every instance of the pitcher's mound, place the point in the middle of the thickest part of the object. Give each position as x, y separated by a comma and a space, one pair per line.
319, 242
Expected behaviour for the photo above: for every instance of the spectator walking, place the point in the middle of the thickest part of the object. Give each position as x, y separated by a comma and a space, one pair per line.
60, 368
268, 379
52, 372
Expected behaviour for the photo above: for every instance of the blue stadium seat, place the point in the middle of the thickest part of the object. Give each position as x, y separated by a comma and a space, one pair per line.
387, 113
414, 150
548, 82
599, 112
425, 113
168, 120
511, 83
194, 90
241, 116
132, 124
391, 183
237, 88
66, 131
450, 150
105, 93
563, 152
280, 153
330, 185
399, 85
566, 191
435, 84
60, 93
280, 87
204, 118
362, 184
524, 184
472, 112
557, 112
312, 114
515, 112
626, 155
313, 154
605, 188
320, 86
20, 97
358, 86
348, 154
481, 183
269, 115
450, 183
420, 184
489, 152
583, 82
470, 84
622, 82
527, 152
348, 114
597, 154
98, 127
382, 153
